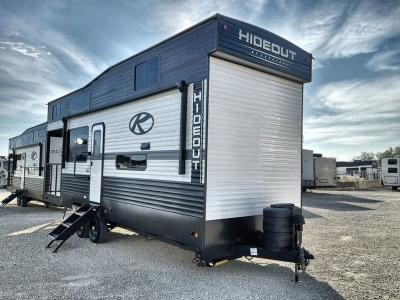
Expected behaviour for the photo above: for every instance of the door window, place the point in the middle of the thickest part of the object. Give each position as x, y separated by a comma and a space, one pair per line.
96, 143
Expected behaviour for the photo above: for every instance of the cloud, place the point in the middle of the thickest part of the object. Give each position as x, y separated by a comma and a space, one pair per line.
338, 29
37, 64
366, 26
175, 16
364, 116
385, 60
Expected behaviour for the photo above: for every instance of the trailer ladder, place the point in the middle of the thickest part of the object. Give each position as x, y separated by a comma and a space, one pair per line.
10, 198
74, 222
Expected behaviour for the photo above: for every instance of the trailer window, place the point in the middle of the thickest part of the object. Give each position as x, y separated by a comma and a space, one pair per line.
77, 144
392, 161
135, 162
392, 170
55, 112
146, 74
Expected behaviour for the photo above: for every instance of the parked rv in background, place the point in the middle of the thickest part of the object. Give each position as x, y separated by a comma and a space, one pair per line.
28, 154
391, 172
5, 168
364, 169
325, 171
307, 172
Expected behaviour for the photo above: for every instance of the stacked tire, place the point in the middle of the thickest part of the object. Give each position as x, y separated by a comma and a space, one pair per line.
278, 227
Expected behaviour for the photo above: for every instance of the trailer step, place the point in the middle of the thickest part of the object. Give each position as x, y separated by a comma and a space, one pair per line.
10, 198
66, 229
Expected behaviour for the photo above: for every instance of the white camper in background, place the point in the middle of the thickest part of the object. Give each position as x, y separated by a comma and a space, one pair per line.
307, 172
391, 172
4, 169
325, 172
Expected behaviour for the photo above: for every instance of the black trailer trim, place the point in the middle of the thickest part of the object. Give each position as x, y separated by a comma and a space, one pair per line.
183, 198
74, 190
152, 155
182, 141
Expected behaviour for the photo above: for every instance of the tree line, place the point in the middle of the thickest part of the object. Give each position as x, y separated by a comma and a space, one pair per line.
390, 152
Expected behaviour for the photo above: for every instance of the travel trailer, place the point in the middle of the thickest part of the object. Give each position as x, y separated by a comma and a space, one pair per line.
28, 156
325, 171
4, 169
189, 141
307, 171
391, 172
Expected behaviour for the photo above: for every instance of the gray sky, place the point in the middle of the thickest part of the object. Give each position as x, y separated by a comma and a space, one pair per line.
50, 48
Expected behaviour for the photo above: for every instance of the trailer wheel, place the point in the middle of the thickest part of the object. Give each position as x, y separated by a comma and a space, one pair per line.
83, 232
394, 188
98, 229
24, 202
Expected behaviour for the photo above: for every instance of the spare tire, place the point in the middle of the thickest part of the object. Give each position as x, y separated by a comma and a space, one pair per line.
278, 227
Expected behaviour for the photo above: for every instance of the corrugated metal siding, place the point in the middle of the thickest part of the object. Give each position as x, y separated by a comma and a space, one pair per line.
16, 183
184, 57
34, 185
177, 197
254, 146
75, 185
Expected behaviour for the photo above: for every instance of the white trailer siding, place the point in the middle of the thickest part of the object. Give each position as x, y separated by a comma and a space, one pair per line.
163, 137
31, 163
254, 141
325, 172
29, 173
391, 171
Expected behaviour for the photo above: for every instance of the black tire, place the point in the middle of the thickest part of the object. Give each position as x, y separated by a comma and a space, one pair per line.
98, 229
394, 188
24, 202
83, 232
18, 201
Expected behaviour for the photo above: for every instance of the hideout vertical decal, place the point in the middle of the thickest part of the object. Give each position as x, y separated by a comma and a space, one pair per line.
197, 131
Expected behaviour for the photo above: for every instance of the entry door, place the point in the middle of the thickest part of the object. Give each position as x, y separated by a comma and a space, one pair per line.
23, 167
96, 163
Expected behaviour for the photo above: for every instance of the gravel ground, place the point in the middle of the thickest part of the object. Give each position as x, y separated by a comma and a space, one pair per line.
354, 236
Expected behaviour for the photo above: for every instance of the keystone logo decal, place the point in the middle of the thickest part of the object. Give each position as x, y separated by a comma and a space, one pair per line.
141, 123
33, 155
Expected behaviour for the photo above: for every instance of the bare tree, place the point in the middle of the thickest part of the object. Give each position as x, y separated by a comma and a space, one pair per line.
365, 156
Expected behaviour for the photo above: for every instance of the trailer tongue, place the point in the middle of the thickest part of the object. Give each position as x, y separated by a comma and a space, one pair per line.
280, 240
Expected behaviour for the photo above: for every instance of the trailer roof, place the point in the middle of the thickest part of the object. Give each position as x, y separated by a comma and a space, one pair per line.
184, 56
138, 53
28, 137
